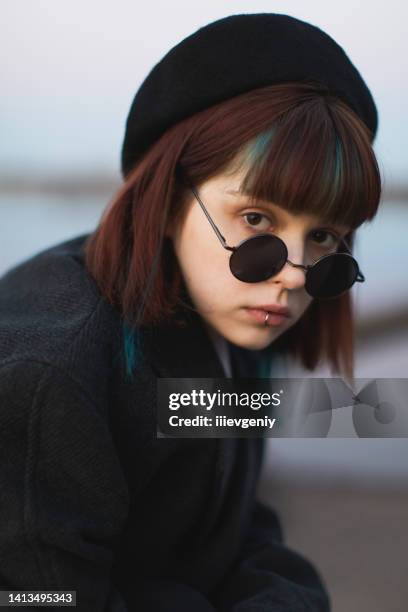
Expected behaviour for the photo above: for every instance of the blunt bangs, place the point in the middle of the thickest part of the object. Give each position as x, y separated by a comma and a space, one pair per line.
315, 159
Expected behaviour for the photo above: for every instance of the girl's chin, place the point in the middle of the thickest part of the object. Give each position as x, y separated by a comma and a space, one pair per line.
253, 337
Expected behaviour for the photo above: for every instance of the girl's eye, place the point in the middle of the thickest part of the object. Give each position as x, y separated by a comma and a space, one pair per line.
325, 238
254, 220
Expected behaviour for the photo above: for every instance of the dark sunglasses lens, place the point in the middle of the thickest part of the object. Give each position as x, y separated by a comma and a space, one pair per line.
331, 276
258, 258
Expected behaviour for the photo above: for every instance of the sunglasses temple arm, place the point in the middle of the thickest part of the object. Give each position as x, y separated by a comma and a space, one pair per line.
215, 228
360, 276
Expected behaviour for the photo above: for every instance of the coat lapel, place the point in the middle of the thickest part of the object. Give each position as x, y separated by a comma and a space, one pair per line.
182, 348
244, 363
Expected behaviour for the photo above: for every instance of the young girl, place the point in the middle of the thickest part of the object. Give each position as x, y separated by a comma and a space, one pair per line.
248, 166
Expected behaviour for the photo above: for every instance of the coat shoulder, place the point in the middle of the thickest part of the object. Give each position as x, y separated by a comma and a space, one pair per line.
51, 311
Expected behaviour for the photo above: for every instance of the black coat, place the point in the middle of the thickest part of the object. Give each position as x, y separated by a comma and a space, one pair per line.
91, 499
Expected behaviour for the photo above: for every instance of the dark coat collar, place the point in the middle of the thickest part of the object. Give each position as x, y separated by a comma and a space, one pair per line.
182, 348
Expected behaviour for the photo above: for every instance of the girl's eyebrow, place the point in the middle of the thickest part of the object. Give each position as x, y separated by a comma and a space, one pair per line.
245, 194
240, 193
275, 208
232, 191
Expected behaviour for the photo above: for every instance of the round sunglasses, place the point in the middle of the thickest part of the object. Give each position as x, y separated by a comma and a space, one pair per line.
260, 257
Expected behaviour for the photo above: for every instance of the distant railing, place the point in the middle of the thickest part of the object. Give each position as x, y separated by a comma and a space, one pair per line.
382, 324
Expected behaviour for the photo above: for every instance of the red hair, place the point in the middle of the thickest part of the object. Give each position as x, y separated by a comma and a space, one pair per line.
308, 152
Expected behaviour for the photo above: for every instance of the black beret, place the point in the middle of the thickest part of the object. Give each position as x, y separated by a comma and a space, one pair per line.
231, 56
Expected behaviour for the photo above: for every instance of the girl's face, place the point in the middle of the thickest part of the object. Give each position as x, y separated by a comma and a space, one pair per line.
221, 299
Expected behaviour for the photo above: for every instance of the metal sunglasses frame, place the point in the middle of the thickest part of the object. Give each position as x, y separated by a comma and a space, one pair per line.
360, 278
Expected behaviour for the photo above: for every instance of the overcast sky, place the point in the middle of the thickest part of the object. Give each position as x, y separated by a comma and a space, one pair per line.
70, 69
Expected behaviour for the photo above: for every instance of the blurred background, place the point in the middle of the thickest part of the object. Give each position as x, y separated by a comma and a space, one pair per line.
69, 72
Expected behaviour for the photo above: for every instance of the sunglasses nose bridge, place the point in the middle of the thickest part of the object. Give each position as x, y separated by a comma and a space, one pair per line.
301, 266
289, 279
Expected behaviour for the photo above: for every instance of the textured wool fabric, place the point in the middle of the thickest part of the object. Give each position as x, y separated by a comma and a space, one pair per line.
234, 55
91, 499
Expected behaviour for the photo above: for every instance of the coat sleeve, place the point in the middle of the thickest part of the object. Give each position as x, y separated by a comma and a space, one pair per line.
64, 497
268, 575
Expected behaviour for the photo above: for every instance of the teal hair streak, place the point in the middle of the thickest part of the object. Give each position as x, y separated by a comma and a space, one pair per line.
335, 180
265, 361
339, 163
259, 144
131, 349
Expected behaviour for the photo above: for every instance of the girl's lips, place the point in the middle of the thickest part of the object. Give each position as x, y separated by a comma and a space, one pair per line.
273, 319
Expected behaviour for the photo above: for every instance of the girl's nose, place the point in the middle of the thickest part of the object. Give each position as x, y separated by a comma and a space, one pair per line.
291, 277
